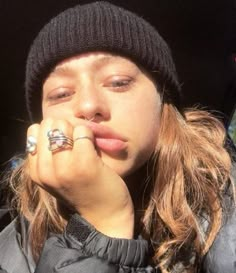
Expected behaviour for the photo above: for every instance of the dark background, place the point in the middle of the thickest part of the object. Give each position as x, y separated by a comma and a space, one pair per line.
201, 34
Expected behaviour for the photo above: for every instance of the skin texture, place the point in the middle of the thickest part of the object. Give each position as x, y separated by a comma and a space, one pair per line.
114, 103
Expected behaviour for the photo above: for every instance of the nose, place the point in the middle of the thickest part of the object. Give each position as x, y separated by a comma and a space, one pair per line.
91, 104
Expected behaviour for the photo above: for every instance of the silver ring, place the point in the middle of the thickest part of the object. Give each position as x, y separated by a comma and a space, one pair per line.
83, 137
58, 141
31, 145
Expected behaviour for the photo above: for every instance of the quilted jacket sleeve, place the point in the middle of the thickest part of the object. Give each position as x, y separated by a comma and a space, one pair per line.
82, 249
221, 258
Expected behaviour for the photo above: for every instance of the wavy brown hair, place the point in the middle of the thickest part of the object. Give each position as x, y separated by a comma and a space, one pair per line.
191, 168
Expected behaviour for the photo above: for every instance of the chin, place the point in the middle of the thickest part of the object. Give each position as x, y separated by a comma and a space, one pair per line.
127, 166
121, 166
124, 168
120, 169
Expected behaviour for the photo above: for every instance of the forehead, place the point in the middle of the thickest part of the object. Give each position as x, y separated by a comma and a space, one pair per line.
97, 59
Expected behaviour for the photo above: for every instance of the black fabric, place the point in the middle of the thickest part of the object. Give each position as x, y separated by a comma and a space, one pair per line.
97, 26
98, 253
117, 251
64, 253
13, 256
221, 257
5, 217
78, 229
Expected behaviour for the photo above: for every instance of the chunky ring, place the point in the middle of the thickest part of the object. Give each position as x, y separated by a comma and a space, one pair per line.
83, 137
58, 141
31, 145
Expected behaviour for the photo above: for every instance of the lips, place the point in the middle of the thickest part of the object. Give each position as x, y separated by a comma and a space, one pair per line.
107, 139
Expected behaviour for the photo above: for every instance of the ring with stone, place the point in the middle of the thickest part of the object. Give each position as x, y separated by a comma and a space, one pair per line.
31, 145
58, 140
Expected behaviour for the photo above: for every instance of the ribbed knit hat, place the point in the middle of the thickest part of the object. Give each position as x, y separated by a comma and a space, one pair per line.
97, 26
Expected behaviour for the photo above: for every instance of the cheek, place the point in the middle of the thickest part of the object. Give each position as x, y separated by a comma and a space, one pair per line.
141, 124
144, 117
57, 112
147, 135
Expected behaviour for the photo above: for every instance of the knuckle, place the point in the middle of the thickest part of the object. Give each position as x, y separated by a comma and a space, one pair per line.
46, 122
33, 129
63, 125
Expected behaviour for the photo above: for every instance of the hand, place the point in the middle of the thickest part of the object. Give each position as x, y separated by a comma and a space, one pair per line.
79, 177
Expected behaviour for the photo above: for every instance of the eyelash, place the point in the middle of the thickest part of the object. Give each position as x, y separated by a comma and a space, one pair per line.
60, 95
120, 84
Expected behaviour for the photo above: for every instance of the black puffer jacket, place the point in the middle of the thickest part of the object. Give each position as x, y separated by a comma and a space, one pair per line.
82, 249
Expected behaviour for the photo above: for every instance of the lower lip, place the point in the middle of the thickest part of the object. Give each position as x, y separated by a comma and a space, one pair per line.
110, 145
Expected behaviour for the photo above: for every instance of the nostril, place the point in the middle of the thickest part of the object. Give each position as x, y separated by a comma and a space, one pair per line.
90, 119
94, 118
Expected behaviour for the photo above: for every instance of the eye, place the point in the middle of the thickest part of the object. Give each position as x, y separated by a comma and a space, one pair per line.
119, 83
59, 95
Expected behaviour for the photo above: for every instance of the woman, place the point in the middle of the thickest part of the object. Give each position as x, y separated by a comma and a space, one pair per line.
117, 177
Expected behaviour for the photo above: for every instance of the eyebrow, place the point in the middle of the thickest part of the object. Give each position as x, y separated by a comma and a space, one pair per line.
65, 69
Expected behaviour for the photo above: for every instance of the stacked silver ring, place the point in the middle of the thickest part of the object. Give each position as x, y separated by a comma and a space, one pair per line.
31, 145
58, 141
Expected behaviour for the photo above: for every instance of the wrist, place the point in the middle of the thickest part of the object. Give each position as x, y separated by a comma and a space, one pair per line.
125, 252
119, 225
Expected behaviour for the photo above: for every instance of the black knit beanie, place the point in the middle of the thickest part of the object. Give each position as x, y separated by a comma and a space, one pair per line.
97, 26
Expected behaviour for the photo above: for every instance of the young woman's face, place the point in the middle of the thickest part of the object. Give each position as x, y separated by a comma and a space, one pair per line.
118, 96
